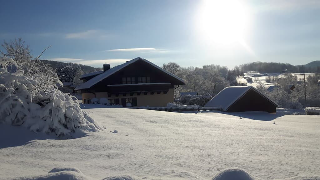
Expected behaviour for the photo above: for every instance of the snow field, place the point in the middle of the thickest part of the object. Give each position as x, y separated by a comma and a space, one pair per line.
168, 145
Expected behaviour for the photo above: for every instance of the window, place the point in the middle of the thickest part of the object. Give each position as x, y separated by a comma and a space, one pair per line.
128, 100
128, 80
144, 79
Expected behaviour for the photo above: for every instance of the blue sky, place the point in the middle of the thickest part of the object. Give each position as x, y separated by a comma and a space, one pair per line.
188, 32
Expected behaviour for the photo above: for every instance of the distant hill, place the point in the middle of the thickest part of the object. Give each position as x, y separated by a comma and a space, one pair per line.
313, 64
57, 64
271, 67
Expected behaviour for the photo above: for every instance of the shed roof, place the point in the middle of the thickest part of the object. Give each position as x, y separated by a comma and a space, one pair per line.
229, 95
115, 69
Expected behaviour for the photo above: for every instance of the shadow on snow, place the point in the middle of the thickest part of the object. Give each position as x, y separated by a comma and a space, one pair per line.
260, 115
12, 136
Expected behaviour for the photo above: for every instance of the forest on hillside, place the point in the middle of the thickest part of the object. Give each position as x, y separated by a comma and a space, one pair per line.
272, 67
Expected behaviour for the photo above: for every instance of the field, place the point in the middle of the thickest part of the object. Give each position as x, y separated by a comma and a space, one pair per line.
147, 144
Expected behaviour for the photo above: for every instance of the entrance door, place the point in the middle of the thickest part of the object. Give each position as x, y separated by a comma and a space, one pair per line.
123, 102
134, 101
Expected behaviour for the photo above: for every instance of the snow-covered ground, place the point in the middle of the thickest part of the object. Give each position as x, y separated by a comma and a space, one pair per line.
147, 144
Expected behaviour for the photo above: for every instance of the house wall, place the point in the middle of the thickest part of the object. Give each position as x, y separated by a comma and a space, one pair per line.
135, 70
152, 100
252, 101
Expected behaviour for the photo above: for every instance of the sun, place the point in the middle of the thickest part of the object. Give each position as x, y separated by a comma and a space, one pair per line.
222, 21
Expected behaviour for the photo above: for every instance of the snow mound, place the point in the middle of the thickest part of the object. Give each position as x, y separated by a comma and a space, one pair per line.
233, 174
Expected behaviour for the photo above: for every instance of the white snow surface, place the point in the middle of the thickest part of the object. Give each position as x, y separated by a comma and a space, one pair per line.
168, 145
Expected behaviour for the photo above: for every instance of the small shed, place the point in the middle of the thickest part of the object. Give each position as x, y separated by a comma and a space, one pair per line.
242, 98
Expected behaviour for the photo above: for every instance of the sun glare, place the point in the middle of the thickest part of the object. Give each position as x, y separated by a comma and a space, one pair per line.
222, 21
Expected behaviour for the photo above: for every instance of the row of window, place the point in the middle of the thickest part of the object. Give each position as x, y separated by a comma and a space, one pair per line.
124, 101
134, 80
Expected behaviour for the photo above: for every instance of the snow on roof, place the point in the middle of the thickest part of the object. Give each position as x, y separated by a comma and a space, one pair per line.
91, 74
225, 98
115, 69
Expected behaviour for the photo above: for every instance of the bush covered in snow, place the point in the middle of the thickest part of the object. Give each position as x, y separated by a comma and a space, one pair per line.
312, 110
94, 101
30, 98
104, 101
200, 100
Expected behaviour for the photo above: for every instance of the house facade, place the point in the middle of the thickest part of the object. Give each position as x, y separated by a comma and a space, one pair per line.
138, 82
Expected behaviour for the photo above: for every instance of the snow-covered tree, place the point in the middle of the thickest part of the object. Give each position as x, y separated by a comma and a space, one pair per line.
69, 73
172, 68
29, 96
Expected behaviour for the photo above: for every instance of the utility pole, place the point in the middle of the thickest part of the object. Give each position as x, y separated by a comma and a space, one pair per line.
305, 88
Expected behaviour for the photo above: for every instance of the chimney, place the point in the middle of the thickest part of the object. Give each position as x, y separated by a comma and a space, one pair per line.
106, 67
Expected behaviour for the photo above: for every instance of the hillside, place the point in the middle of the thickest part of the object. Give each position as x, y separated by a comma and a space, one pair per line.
272, 67
58, 64
313, 64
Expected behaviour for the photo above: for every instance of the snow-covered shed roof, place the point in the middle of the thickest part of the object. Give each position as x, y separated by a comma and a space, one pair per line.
91, 74
115, 69
229, 95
